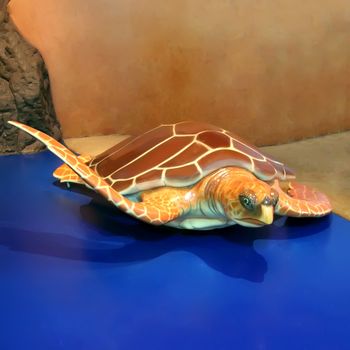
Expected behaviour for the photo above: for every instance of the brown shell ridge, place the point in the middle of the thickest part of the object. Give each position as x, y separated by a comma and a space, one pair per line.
127, 144
158, 167
234, 139
250, 167
199, 158
194, 135
155, 167
203, 144
109, 177
179, 152
140, 156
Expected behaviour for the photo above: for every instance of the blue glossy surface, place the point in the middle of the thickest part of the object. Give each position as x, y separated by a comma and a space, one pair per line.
76, 274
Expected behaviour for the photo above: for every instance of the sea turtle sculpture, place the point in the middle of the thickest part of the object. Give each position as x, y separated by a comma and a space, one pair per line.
189, 175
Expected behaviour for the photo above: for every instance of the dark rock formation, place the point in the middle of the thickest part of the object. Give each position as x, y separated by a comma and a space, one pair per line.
24, 90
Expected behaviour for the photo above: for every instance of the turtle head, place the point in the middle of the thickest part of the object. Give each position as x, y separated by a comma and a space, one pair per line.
252, 203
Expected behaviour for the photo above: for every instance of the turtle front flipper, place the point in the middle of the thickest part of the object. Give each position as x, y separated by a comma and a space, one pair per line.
299, 200
156, 214
65, 174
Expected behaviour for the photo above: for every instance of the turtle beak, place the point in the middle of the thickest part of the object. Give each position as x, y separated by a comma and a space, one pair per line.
266, 214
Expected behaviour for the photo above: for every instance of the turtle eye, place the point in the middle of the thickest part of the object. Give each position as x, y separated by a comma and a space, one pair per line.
248, 200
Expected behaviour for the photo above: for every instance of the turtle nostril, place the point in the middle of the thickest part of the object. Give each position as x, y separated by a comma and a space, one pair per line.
266, 201
274, 201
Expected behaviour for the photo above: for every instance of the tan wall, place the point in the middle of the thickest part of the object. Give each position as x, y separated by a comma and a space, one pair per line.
271, 70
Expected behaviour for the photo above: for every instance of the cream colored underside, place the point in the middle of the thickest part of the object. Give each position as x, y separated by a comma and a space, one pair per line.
202, 217
199, 223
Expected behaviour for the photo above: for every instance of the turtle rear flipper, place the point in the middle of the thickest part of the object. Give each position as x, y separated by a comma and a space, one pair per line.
156, 214
299, 200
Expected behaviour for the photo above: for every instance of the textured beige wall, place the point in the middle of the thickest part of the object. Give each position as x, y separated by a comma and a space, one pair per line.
271, 70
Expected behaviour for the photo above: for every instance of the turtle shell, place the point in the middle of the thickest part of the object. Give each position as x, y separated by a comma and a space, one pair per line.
180, 155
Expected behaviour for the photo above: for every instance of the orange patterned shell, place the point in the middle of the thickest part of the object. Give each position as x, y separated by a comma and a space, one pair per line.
180, 155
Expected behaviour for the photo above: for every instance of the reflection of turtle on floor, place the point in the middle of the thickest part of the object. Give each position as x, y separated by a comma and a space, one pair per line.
190, 175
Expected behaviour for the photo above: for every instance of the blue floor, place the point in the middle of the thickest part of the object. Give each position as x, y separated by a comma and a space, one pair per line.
77, 274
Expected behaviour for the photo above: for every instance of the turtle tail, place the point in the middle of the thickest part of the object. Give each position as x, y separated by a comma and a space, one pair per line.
299, 200
155, 215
